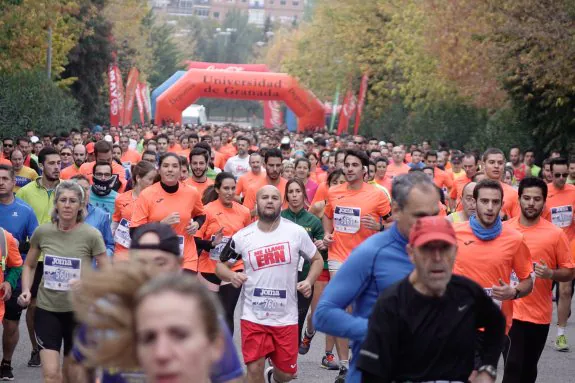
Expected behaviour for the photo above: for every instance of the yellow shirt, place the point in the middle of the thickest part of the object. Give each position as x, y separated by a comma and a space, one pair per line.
24, 177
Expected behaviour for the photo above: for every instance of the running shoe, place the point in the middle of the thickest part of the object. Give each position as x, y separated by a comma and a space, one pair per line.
561, 343
35, 359
6, 372
305, 343
268, 374
328, 362
342, 374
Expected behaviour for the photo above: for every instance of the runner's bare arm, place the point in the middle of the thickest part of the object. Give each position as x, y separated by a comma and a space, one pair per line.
102, 260
315, 268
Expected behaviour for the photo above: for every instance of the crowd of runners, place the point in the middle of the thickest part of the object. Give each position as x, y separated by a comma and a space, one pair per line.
130, 249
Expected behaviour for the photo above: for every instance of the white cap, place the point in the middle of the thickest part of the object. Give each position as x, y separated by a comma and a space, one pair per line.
309, 139
381, 143
108, 138
34, 139
285, 141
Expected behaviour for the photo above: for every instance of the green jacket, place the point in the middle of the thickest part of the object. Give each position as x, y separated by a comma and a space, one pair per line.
314, 228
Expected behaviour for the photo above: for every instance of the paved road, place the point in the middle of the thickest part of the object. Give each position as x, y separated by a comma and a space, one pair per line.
553, 367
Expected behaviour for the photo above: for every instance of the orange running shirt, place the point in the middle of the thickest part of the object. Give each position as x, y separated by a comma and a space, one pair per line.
123, 208
154, 204
69, 172
346, 207
485, 262
510, 206
560, 207
232, 219
457, 190
131, 157
394, 170
248, 179
250, 195
548, 243
320, 193
219, 160
200, 186
13, 259
442, 179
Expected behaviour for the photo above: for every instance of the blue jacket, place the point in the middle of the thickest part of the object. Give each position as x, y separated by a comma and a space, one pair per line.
377, 263
100, 220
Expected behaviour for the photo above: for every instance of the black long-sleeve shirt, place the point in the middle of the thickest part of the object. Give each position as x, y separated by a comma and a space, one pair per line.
412, 337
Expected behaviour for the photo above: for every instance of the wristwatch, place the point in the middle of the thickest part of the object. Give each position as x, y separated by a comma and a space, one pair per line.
517, 292
489, 369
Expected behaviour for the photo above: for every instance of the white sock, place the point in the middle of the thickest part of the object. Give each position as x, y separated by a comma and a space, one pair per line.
308, 334
344, 363
560, 331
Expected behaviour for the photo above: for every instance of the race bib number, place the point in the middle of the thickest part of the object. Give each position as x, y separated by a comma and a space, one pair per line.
269, 303
347, 219
562, 216
489, 293
513, 280
181, 240
216, 251
59, 271
122, 234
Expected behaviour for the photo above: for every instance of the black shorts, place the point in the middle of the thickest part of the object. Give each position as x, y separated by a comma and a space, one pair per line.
37, 279
13, 310
52, 328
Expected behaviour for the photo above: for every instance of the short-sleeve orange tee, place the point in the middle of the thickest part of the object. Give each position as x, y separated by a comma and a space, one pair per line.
154, 204
548, 243
485, 262
346, 207
231, 219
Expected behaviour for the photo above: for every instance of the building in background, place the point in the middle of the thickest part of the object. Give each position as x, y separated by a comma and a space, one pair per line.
283, 11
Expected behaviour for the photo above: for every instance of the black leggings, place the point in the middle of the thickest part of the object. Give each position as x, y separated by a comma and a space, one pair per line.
229, 296
303, 304
527, 343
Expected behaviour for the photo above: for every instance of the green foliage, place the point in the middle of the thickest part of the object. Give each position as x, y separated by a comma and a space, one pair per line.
28, 100
88, 62
167, 58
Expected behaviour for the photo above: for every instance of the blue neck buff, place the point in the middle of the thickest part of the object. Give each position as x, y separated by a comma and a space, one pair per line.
483, 233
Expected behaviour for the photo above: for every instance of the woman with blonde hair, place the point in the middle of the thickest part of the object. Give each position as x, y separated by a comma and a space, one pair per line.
69, 245
168, 325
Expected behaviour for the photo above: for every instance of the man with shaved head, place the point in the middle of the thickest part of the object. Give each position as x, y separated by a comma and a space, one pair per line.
272, 250
79, 156
468, 204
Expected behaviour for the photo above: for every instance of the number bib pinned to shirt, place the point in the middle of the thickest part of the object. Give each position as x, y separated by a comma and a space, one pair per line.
181, 240
59, 271
122, 234
562, 216
347, 219
216, 251
489, 293
269, 303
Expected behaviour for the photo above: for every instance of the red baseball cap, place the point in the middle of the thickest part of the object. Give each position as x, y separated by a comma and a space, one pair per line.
433, 228
90, 147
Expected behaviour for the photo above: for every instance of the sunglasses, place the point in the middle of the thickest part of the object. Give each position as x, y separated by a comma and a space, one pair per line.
559, 175
9, 145
66, 154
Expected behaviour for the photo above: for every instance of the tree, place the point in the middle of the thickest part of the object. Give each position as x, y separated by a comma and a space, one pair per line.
88, 62
29, 100
166, 56
24, 28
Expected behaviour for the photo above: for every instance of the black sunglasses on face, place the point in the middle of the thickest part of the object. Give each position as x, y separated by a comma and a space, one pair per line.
558, 175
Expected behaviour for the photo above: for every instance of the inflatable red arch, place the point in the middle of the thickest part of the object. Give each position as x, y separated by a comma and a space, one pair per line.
198, 83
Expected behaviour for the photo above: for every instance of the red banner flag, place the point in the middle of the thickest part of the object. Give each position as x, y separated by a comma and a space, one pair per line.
140, 100
131, 86
121, 95
115, 95
347, 109
360, 102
